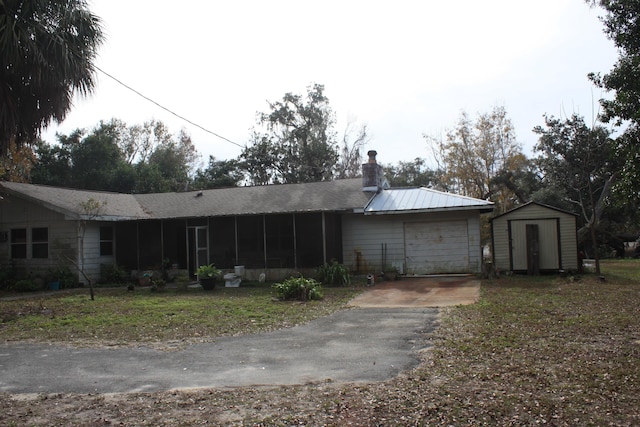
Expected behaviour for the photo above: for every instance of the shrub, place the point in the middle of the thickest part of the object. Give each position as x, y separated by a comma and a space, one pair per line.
334, 274
298, 288
6, 278
158, 285
26, 285
114, 274
65, 277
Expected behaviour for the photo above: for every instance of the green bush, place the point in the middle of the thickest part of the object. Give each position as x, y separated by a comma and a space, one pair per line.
6, 278
114, 274
298, 288
26, 285
334, 274
158, 285
65, 276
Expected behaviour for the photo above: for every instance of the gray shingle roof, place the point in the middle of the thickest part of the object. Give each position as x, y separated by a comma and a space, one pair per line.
67, 201
413, 200
327, 196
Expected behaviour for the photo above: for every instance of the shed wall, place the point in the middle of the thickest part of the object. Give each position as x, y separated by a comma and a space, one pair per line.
535, 213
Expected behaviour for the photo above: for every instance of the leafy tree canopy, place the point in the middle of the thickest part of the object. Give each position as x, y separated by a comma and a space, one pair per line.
297, 143
217, 174
578, 163
411, 174
117, 157
474, 153
47, 49
622, 25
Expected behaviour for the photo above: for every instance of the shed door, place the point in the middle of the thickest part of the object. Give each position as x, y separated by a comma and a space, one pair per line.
548, 244
436, 247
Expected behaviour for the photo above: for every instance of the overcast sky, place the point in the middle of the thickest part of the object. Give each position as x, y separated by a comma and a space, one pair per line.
405, 68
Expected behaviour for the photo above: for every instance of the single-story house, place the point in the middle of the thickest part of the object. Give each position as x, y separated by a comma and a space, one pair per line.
535, 238
273, 229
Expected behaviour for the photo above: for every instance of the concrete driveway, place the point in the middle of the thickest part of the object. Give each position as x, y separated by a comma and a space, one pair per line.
374, 341
414, 292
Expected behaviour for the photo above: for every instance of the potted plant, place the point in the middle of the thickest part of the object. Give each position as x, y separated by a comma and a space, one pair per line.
207, 276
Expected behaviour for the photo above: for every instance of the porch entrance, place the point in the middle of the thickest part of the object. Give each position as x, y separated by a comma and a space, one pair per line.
197, 247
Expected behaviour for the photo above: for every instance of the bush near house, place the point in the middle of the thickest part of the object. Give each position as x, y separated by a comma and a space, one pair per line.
27, 285
334, 274
299, 288
65, 276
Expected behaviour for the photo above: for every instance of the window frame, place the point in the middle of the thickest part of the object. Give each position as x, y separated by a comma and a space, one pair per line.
40, 242
21, 245
107, 241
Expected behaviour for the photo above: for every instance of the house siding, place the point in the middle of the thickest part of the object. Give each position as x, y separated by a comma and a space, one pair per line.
371, 241
16, 213
534, 214
93, 262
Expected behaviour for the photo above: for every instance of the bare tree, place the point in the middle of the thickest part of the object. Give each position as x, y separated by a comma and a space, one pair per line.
91, 209
353, 143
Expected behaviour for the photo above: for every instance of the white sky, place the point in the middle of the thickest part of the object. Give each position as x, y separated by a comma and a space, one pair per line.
406, 68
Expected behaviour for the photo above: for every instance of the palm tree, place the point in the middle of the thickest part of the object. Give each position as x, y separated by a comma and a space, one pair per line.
47, 49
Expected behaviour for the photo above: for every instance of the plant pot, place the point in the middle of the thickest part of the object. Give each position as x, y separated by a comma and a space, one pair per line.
208, 284
54, 286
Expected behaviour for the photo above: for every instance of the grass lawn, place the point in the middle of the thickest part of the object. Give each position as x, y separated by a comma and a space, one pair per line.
170, 318
533, 351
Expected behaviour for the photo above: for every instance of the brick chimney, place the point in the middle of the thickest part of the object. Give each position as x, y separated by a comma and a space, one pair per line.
372, 174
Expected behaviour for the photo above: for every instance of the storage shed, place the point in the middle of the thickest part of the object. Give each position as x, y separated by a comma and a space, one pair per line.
535, 238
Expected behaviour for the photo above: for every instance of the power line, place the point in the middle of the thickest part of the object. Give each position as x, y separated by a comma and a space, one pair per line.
35, 23
165, 108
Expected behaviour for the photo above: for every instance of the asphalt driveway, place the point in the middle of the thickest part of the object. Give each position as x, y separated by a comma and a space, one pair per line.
367, 343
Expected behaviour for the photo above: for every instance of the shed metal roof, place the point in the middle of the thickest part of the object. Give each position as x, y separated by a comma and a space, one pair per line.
413, 200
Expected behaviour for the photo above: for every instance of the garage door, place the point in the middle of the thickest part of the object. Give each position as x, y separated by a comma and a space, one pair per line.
436, 247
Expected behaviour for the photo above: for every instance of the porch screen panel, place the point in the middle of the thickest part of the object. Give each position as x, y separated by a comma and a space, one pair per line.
251, 241
127, 245
175, 241
280, 242
222, 241
333, 227
149, 233
309, 240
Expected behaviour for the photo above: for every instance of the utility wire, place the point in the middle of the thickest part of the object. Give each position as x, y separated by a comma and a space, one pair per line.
34, 23
165, 108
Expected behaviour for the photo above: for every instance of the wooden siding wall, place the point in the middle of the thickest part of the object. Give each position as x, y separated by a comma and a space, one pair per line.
62, 234
568, 242
93, 262
365, 236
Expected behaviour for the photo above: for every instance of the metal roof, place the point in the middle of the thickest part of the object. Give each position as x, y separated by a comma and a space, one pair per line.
413, 200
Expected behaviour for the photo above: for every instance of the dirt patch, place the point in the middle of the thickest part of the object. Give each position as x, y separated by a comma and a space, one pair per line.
417, 292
